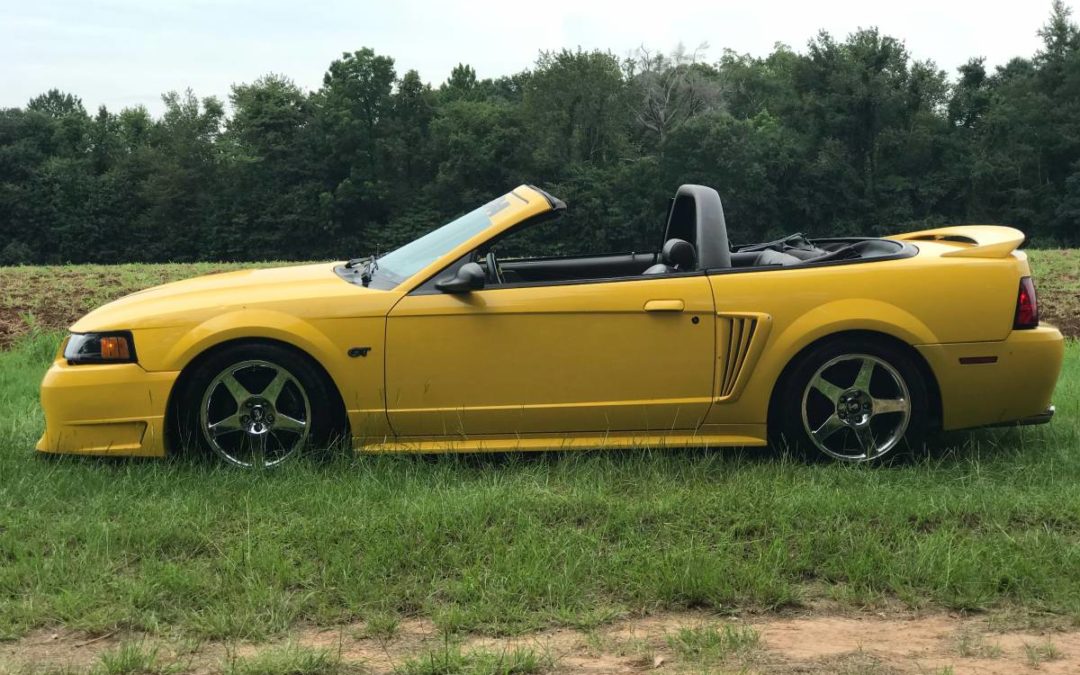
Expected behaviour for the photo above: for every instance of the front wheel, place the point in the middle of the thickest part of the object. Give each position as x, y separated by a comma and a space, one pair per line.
256, 406
857, 400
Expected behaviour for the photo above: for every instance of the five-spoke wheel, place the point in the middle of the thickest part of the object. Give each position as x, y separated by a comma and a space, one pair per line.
256, 405
854, 400
255, 413
856, 407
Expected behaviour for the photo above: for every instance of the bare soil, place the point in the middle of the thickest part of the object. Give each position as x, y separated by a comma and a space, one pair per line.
860, 643
54, 297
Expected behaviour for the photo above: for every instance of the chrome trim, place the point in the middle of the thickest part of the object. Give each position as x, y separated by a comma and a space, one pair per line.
853, 407
258, 419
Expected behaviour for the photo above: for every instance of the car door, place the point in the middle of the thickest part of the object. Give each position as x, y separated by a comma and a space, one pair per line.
618, 355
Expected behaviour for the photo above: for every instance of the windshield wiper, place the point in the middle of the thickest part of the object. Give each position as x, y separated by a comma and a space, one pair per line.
353, 262
370, 263
369, 270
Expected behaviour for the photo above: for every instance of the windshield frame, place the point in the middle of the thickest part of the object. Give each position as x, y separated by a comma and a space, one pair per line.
405, 261
502, 213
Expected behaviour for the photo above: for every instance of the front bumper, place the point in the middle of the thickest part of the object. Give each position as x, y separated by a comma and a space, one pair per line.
112, 409
998, 383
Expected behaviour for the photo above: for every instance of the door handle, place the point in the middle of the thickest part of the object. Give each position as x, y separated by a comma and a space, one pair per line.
664, 306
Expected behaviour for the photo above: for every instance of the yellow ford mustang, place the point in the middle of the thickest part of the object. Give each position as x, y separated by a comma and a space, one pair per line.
849, 348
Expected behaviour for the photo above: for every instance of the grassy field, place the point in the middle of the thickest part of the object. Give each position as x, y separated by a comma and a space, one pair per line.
497, 545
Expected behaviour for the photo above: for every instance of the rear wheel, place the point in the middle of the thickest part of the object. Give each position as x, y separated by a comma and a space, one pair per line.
257, 406
854, 400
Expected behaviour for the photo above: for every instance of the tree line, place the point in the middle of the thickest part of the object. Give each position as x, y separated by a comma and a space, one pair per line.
845, 137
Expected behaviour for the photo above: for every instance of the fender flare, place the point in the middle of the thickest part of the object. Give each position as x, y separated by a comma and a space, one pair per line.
841, 316
847, 316
258, 324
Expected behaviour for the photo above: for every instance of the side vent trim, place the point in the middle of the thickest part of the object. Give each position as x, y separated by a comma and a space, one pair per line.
740, 333
741, 338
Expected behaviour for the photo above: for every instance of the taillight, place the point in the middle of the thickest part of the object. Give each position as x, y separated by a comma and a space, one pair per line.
1027, 306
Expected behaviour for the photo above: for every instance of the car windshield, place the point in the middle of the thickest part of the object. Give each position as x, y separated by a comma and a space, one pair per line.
406, 261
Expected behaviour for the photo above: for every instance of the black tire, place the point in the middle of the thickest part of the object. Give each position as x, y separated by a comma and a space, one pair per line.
851, 423
305, 395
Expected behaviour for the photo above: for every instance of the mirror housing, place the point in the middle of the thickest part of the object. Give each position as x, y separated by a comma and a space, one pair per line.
469, 277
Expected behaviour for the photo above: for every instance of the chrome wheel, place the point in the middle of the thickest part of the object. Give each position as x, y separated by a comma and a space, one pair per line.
856, 408
255, 414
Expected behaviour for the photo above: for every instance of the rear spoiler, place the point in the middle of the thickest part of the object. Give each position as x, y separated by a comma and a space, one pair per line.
972, 241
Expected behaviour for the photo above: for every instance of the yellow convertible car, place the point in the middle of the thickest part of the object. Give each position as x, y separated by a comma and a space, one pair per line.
848, 348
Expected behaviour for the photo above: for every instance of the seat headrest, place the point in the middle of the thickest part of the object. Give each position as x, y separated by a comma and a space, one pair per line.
679, 253
697, 215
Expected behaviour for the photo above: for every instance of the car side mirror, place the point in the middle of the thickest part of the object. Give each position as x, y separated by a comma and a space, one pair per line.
469, 277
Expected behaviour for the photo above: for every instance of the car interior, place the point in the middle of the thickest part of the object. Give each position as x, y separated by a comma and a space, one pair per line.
695, 240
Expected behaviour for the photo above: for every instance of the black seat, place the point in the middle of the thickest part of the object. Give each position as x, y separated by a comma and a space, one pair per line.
763, 258
678, 255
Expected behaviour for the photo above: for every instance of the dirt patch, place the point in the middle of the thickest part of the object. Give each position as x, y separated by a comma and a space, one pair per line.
1057, 279
672, 642
919, 645
54, 297
1061, 311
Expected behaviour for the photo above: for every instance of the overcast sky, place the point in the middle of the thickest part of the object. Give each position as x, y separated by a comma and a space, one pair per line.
127, 52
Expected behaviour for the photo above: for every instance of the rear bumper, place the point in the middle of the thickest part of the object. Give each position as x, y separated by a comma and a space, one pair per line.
113, 409
1042, 418
997, 383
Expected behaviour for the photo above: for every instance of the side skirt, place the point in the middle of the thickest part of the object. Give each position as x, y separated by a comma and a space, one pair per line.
708, 436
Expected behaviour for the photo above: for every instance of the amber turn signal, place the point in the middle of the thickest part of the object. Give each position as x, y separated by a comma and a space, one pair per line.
115, 348
112, 347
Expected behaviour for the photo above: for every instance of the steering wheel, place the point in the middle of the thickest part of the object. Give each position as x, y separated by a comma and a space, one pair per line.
493, 267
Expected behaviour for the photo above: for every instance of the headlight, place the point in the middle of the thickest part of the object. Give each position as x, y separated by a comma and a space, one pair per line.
112, 347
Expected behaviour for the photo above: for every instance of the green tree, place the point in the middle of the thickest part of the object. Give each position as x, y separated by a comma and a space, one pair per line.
851, 136
351, 118
577, 108
273, 187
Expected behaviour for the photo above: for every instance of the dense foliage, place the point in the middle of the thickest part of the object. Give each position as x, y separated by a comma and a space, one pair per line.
845, 137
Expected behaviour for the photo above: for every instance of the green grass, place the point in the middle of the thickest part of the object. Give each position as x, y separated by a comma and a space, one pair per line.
710, 644
452, 660
1038, 653
509, 543
503, 544
380, 627
289, 660
973, 645
131, 658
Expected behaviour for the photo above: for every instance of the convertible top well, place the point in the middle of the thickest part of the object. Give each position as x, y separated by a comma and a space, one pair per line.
697, 216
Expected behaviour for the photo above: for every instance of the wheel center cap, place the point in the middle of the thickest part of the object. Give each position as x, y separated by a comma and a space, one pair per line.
855, 408
257, 416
